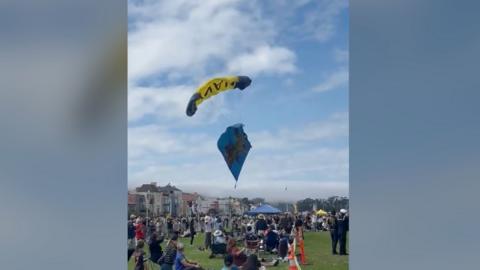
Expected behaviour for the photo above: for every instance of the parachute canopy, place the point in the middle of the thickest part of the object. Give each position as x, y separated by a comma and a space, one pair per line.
213, 87
234, 146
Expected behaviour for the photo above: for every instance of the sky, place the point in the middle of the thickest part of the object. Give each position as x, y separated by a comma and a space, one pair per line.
295, 112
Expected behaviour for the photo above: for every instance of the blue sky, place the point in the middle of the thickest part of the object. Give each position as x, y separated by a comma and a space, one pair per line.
295, 112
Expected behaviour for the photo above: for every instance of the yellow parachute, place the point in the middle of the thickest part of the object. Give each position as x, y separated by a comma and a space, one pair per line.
213, 87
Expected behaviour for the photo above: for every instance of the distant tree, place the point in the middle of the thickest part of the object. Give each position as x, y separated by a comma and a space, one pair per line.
305, 205
332, 203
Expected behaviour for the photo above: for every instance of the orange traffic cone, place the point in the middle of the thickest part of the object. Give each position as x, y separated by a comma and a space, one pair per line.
292, 265
303, 258
301, 245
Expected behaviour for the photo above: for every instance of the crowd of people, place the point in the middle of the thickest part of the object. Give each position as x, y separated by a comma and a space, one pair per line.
238, 239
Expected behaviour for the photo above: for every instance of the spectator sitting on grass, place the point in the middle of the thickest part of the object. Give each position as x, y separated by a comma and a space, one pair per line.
182, 263
238, 255
272, 239
218, 238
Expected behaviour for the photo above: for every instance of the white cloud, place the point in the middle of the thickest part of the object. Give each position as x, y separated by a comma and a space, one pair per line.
335, 127
333, 81
164, 102
157, 141
264, 59
187, 38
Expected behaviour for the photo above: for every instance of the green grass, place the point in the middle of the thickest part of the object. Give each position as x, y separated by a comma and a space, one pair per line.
317, 249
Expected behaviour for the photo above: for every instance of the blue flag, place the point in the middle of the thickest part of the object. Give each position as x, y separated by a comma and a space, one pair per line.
234, 146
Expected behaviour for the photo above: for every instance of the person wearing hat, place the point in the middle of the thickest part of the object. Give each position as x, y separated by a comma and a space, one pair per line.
342, 229
333, 228
218, 237
208, 232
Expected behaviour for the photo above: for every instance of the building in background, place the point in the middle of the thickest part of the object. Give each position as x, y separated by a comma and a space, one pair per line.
172, 201
169, 200
136, 204
189, 204
155, 200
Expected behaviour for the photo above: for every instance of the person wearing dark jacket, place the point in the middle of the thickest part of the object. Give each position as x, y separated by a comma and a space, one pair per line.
283, 246
272, 239
283, 223
333, 228
192, 230
342, 227
155, 248
131, 239
261, 224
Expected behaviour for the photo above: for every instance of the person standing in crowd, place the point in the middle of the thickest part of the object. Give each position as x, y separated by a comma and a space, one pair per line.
192, 230
218, 224
333, 228
144, 228
342, 228
320, 223
139, 231
139, 256
314, 222
158, 227
155, 248
283, 222
299, 225
131, 239
208, 232
176, 226
168, 260
261, 225
182, 263
170, 227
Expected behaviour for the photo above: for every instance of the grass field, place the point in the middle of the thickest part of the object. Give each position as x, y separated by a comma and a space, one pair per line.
317, 249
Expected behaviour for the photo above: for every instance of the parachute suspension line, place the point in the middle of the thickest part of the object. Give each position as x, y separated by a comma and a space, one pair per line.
239, 107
